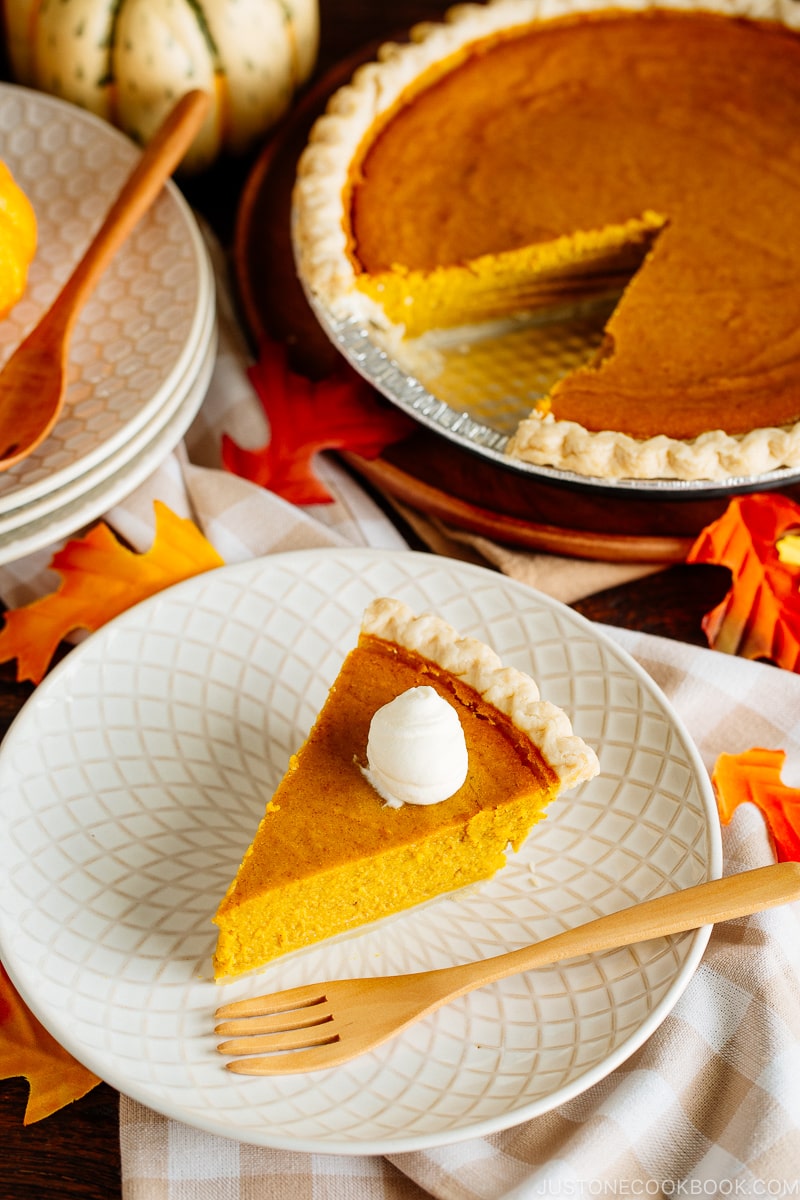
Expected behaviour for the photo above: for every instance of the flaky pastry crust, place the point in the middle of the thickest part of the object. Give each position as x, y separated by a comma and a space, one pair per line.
510, 691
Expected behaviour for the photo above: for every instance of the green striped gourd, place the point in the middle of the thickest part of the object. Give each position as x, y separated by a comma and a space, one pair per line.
129, 60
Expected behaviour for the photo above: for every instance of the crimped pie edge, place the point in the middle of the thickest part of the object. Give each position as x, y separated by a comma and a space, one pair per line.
510, 691
609, 454
320, 244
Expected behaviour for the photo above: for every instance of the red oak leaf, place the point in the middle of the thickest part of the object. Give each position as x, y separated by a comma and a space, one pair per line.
305, 417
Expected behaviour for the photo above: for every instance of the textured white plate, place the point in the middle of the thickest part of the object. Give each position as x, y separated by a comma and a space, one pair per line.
157, 434
143, 327
61, 514
133, 781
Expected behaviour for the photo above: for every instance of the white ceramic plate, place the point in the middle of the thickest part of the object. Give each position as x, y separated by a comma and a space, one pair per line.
141, 330
133, 781
57, 516
197, 374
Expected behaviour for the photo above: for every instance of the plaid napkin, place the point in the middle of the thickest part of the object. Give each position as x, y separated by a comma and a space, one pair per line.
711, 1103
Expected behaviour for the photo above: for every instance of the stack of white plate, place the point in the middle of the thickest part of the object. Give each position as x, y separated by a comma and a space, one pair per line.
144, 346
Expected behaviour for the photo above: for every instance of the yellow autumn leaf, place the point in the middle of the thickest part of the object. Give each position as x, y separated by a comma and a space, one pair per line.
100, 578
27, 1049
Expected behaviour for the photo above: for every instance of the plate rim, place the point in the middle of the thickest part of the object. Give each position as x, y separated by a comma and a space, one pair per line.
144, 1094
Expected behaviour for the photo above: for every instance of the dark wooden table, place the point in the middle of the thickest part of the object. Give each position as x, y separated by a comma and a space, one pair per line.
75, 1152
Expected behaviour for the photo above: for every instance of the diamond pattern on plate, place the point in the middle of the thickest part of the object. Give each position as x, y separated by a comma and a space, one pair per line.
143, 327
133, 782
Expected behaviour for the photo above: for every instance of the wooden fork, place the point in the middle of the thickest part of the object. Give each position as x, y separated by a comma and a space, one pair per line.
326, 1024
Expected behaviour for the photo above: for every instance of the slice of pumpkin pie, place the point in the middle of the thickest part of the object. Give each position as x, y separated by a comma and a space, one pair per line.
427, 760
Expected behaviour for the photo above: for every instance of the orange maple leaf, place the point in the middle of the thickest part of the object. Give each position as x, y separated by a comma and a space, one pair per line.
339, 413
100, 579
760, 614
27, 1049
755, 777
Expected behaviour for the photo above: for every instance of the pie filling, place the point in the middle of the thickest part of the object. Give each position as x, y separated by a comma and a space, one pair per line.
588, 264
549, 163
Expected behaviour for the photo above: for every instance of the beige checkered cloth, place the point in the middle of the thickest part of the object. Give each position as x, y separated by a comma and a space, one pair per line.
710, 1105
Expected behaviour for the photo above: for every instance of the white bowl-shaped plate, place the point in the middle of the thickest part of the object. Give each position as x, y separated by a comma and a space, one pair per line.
158, 437
143, 327
52, 518
135, 777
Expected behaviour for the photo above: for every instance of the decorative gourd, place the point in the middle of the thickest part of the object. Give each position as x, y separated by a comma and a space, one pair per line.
129, 60
18, 231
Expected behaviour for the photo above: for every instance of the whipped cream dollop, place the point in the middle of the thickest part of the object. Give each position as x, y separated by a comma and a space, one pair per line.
416, 750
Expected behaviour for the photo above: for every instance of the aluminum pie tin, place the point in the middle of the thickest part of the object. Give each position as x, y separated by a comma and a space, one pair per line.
474, 387
466, 427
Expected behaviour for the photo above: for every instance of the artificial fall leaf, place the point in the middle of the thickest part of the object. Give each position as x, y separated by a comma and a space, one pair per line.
760, 615
27, 1049
100, 578
755, 777
305, 417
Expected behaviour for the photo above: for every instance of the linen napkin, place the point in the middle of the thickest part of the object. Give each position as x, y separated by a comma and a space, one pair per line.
710, 1104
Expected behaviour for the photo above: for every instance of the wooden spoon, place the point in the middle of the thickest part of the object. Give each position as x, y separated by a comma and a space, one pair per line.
33, 381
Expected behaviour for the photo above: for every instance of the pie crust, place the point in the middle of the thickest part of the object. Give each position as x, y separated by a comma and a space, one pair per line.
510, 691
326, 266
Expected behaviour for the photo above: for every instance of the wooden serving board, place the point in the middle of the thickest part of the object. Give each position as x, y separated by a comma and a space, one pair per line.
427, 471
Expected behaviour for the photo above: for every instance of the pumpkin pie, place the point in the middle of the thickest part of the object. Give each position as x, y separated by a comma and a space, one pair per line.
330, 854
499, 163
